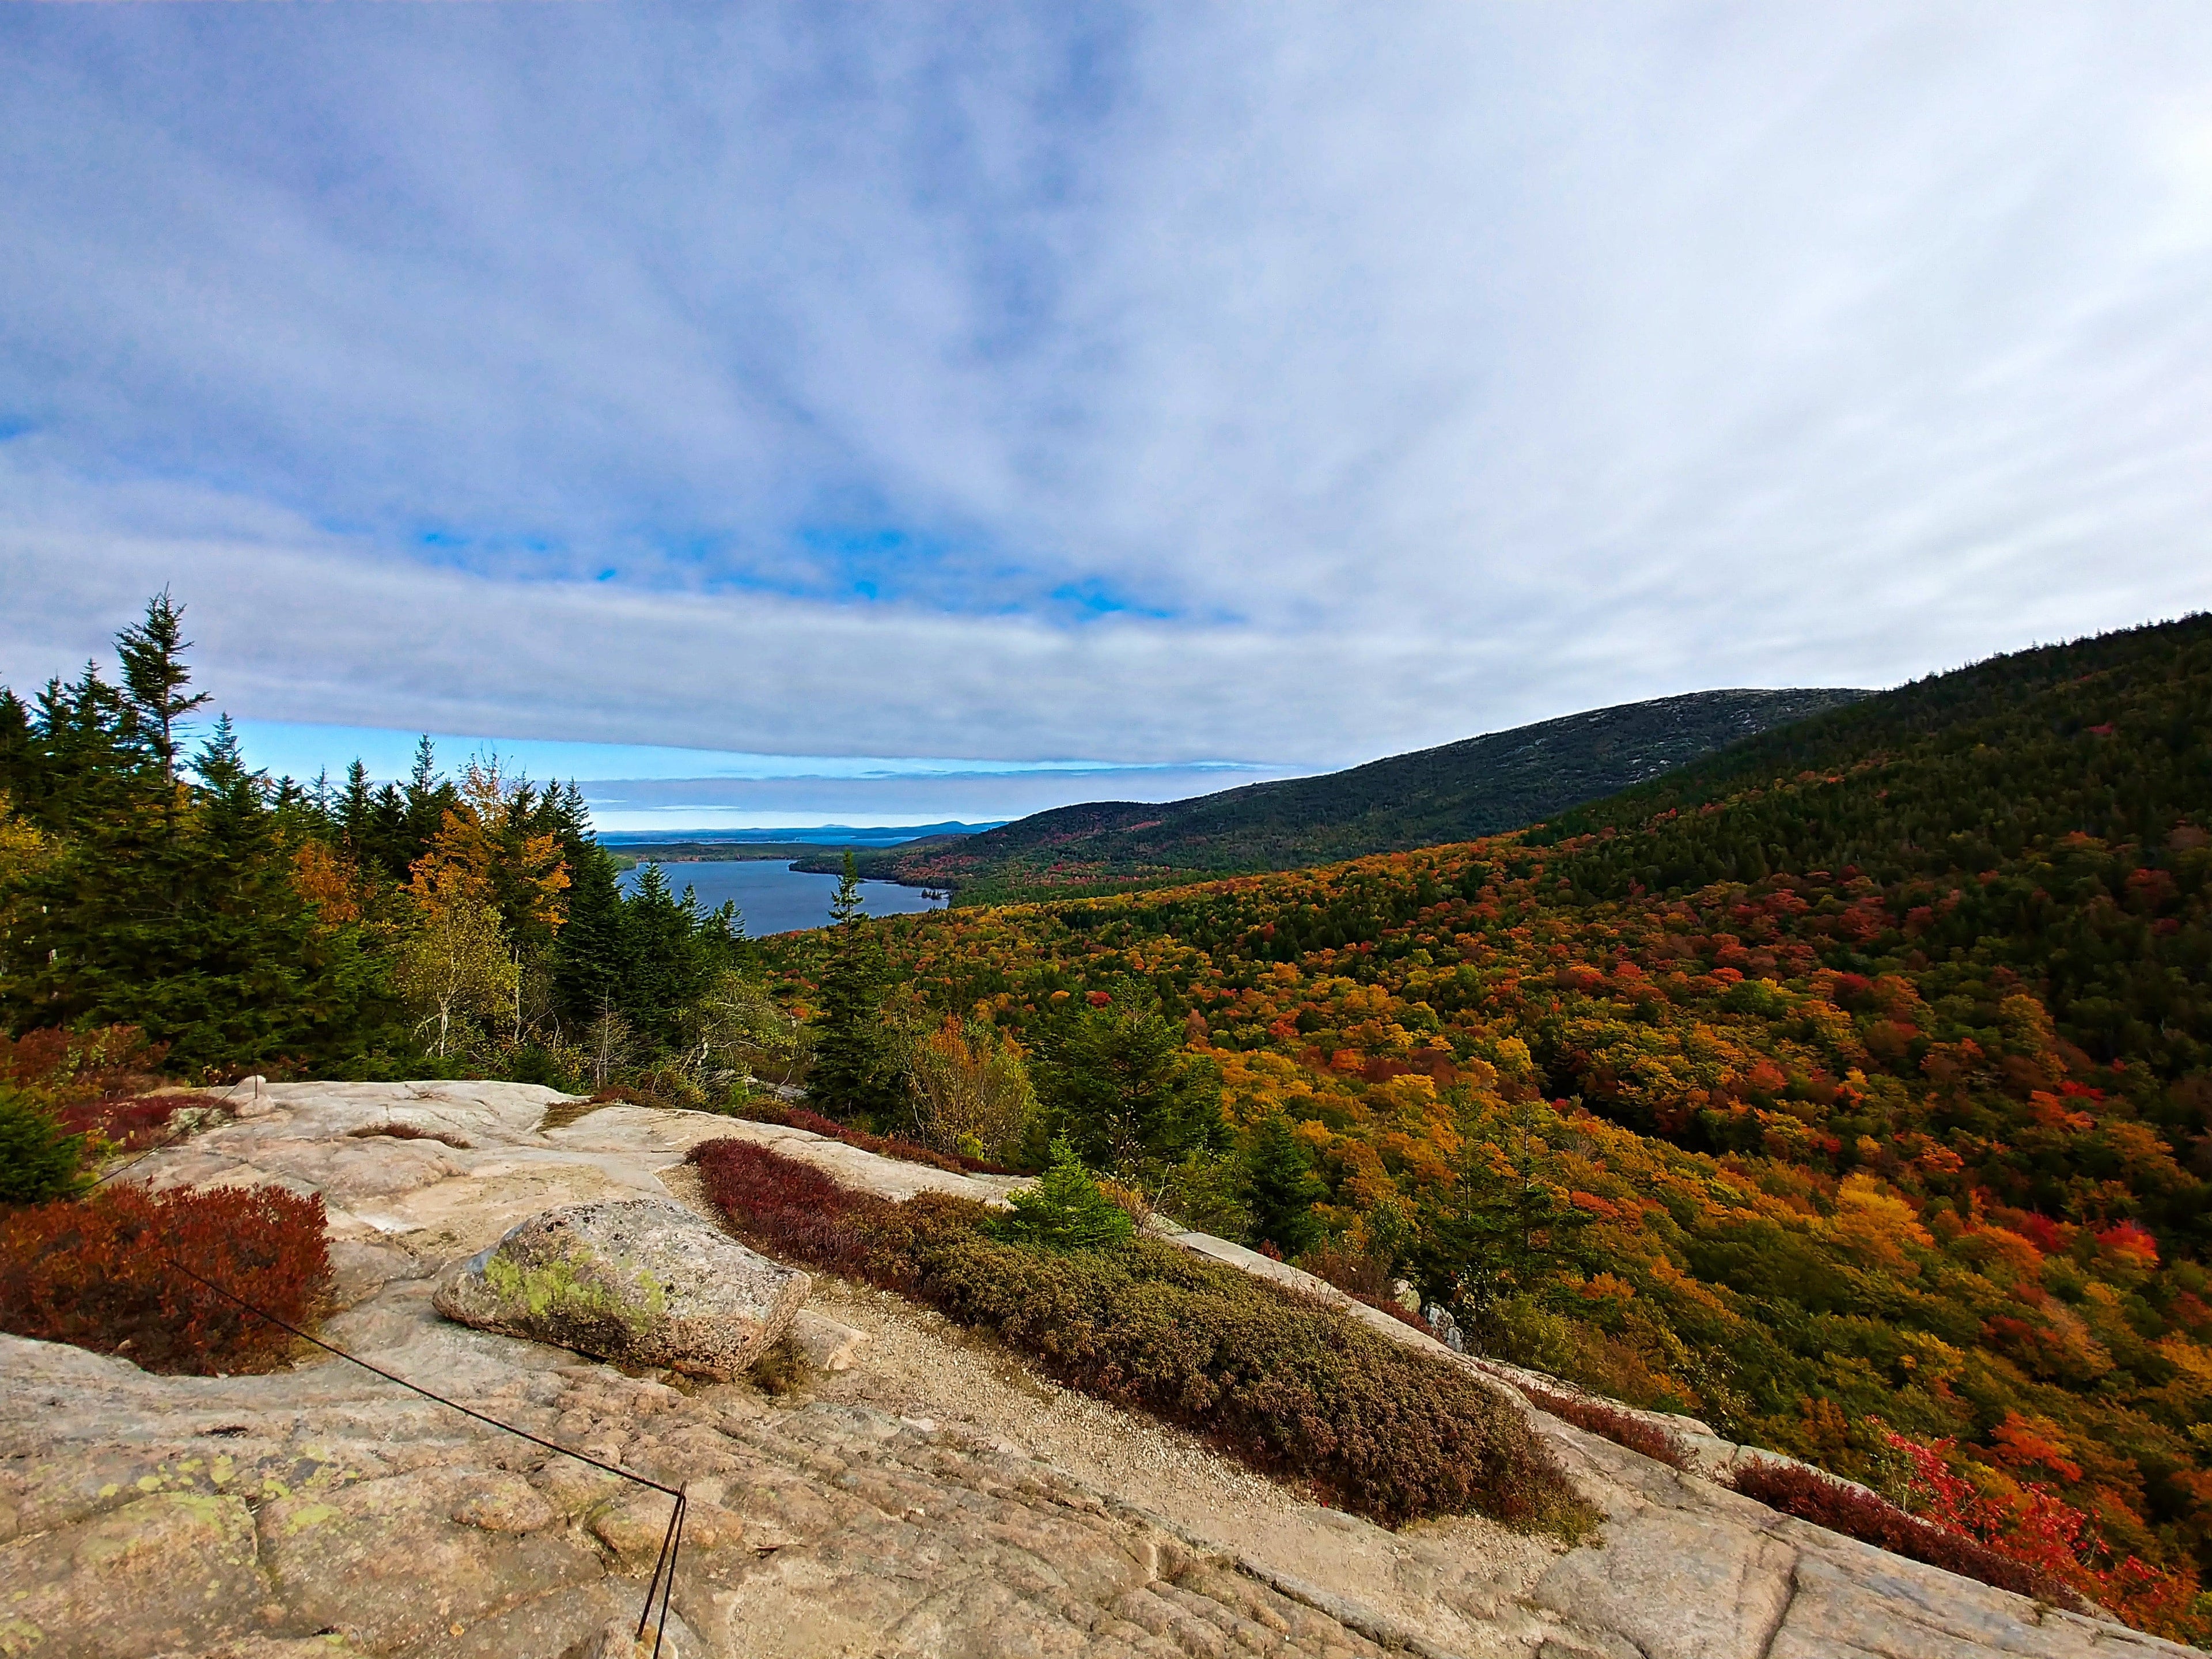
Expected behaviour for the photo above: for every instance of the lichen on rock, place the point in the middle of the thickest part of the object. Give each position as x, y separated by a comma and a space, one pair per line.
641, 1281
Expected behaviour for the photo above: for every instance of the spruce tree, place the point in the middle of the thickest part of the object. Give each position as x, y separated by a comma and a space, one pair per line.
855, 1072
155, 677
39, 1161
1127, 1094
1066, 1210
176, 914
1280, 1187
668, 957
588, 952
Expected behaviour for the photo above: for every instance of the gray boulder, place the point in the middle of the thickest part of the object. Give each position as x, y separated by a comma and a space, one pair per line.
643, 1281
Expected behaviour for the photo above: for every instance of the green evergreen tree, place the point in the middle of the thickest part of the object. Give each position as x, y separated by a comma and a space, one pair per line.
1280, 1187
1504, 1230
39, 1161
1123, 1090
846, 904
855, 1072
154, 679
1066, 1210
668, 958
353, 813
588, 952
426, 798
182, 920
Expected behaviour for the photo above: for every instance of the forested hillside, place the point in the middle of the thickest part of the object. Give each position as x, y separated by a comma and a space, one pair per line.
1849, 1089
1476, 788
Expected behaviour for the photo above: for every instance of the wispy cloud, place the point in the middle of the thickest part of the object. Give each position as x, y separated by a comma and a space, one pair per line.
1126, 385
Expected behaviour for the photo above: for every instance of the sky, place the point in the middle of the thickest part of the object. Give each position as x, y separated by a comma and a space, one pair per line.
924, 412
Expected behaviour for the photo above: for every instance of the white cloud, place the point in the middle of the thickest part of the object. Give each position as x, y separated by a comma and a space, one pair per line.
1433, 370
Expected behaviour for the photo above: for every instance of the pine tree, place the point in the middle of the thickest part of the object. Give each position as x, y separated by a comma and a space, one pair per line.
588, 953
1066, 1210
155, 677
39, 1161
1503, 1230
354, 812
846, 904
1280, 1187
668, 958
1127, 1095
855, 1072
427, 797
174, 913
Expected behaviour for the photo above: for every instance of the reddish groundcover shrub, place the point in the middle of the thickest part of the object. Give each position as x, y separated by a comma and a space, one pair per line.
1826, 1502
1615, 1423
801, 1117
103, 1273
1286, 1382
127, 1126
67, 1066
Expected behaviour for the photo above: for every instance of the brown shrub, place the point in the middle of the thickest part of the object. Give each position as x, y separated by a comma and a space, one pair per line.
1610, 1422
129, 1125
1827, 1502
1283, 1381
1365, 1279
898, 1146
103, 1273
408, 1132
64, 1066
1365, 1276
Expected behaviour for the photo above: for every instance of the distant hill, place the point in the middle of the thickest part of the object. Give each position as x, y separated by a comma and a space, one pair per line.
1478, 787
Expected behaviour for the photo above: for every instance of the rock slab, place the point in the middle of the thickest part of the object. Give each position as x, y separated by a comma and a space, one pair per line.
639, 1281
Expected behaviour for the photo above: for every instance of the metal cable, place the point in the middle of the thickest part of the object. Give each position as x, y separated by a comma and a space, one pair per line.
671, 1541
169, 1139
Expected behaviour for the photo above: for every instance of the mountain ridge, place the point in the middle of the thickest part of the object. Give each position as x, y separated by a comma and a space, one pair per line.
1454, 792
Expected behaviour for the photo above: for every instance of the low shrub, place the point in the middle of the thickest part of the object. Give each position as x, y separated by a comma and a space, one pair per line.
1284, 1383
129, 1125
408, 1132
1841, 1507
1610, 1422
39, 1159
65, 1067
898, 1146
1365, 1279
103, 1273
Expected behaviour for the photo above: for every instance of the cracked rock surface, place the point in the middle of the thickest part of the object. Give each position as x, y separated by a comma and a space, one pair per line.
934, 1497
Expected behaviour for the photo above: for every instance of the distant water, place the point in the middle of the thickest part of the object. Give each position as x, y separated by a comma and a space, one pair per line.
775, 898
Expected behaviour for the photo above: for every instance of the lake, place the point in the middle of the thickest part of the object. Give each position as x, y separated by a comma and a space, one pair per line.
775, 898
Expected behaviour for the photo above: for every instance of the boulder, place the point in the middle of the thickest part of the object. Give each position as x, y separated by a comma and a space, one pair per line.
642, 1281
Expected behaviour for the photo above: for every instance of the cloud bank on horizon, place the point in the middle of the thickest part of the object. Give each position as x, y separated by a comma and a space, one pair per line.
1150, 386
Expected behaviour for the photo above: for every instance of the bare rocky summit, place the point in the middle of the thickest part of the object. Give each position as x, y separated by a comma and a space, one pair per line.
932, 1497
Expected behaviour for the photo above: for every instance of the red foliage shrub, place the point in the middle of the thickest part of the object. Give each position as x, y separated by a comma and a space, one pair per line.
2029, 1522
1286, 1382
1383, 1304
66, 1066
796, 1209
408, 1132
130, 1125
1827, 1502
103, 1273
1610, 1422
801, 1117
